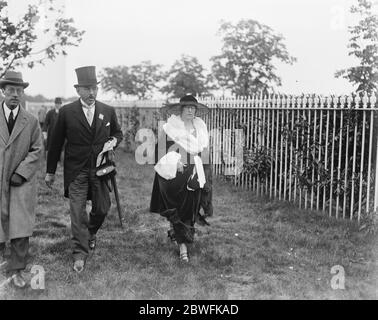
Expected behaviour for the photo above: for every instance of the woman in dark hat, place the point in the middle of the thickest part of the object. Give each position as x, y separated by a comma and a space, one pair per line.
182, 184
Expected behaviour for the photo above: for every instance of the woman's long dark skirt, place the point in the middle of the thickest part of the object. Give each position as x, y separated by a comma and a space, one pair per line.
168, 195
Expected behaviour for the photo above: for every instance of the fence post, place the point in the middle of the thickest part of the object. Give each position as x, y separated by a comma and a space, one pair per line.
374, 151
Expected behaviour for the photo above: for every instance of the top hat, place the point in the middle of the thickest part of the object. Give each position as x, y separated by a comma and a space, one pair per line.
13, 78
188, 100
58, 100
86, 76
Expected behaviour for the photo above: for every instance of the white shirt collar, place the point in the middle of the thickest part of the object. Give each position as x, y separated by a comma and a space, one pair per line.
7, 111
85, 106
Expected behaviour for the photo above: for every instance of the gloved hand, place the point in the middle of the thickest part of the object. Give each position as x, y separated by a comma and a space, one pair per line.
207, 187
180, 166
108, 146
17, 180
49, 179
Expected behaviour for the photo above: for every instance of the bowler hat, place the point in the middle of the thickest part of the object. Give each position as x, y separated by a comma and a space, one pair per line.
86, 76
58, 100
188, 100
13, 78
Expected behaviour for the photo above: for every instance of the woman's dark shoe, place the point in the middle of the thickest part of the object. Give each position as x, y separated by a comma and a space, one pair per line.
171, 235
201, 220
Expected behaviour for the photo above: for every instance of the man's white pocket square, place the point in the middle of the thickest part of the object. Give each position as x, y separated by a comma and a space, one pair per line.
108, 124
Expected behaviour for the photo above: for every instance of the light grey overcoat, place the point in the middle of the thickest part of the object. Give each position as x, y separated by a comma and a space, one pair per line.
21, 153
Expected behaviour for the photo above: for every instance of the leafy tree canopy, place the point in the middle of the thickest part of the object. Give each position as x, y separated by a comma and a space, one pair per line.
19, 39
186, 75
138, 80
246, 64
363, 45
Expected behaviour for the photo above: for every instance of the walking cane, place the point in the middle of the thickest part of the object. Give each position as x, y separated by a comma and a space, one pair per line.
115, 188
110, 171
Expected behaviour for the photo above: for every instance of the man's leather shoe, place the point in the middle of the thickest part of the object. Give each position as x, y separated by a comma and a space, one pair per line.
92, 242
79, 266
18, 280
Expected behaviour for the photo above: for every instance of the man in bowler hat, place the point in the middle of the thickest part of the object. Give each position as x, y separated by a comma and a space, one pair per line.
21, 149
86, 124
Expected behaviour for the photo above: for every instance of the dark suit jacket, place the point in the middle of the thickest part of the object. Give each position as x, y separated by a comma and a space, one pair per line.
49, 125
81, 144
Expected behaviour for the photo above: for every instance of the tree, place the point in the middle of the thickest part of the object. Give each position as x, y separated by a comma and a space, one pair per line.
364, 46
138, 80
18, 40
146, 77
118, 80
245, 65
186, 76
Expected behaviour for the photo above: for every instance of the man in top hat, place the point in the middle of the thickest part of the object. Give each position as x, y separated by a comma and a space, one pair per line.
51, 117
20, 152
87, 125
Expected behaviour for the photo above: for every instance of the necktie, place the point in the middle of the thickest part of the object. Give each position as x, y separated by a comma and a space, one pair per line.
10, 122
89, 115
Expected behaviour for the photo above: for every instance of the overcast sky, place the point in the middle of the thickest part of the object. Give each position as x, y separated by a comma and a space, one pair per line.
126, 32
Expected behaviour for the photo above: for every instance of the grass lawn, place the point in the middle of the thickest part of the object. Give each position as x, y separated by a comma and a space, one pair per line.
254, 249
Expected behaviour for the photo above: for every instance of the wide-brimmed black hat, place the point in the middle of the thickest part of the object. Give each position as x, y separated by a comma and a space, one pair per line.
86, 76
58, 100
13, 78
188, 100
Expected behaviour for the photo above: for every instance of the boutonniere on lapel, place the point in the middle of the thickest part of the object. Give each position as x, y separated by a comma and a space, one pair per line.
101, 116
